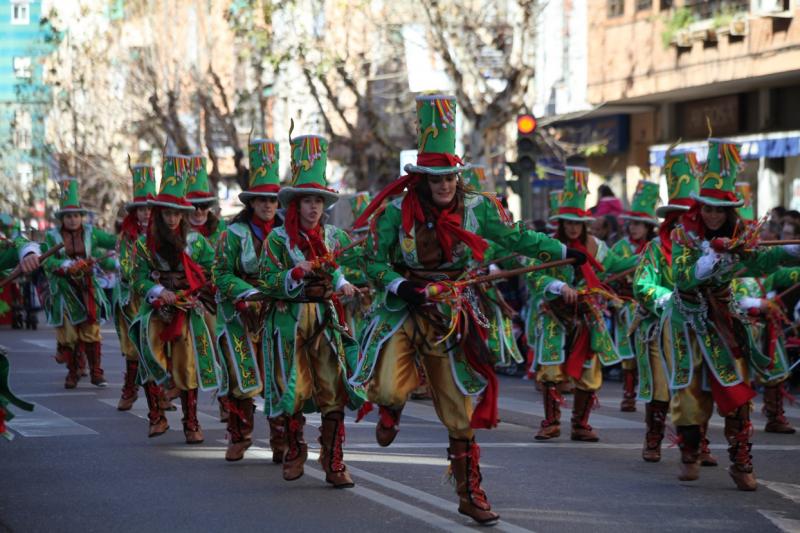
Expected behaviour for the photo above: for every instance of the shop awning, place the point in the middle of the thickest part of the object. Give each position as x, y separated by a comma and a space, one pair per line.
754, 146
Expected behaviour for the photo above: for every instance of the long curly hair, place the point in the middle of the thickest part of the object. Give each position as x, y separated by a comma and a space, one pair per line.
167, 243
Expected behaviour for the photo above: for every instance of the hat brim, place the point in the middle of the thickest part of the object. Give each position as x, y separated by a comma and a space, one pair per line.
663, 210
436, 171
572, 218
247, 195
80, 210
287, 194
133, 205
206, 200
170, 205
715, 201
647, 220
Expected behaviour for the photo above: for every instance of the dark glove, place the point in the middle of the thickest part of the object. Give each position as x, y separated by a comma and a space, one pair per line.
408, 291
578, 256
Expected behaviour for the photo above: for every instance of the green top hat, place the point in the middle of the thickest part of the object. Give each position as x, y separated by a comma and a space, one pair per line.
555, 202
573, 198
680, 171
643, 206
436, 148
745, 193
144, 185
718, 185
264, 170
173, 183
69, 201
309, 159
474, 177
198, 190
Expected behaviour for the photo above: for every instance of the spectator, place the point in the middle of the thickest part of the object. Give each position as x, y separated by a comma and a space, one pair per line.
792, 215
607, 204
771, 231
791, 228
606, 228
777, 213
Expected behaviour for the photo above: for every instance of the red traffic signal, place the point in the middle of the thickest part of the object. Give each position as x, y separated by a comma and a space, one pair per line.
526, 124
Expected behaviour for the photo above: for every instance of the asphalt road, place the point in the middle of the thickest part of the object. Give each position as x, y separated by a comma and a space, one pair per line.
77, 464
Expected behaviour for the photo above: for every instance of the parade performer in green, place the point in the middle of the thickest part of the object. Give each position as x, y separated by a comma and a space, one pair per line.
705, 335
569, 303
198, 193
126, 302
236, 274
641, 228
420, 244
308, 348
171, 270
78, 304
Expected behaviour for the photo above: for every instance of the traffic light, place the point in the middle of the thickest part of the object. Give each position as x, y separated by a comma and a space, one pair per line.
526, 147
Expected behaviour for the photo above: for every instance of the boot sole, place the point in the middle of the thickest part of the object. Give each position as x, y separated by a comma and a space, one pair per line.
293, 478
486, 523
152, 435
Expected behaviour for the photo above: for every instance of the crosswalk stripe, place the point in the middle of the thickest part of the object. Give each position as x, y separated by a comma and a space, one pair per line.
43, 422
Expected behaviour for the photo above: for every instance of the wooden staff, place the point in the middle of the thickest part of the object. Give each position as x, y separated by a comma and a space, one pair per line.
516, 272
350, 246
778, 243
17, 272
788, 291
619, 275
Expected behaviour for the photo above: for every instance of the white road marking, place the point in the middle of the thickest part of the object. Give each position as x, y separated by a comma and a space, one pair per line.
48, 344
789, 491
563, 444
57, 394
787, 525
43, 422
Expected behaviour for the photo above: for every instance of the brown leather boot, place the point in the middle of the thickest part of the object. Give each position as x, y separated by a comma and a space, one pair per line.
706, 458
581, 409
164, 401
63, 352
224, 413
158, 422
94, 355
331, 453
773, 410
296, 453
464, 458
655, 418
130, 390
738, 431
73, 370
277, 437
551, 425
689, 443
191, 427
82, 362
240, 427
628, 404
388, 425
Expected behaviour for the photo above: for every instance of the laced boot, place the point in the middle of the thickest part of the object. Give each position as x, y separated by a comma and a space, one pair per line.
191, 427
581, 409
655, 418
240, 427
706, 458
388, 425
164, 401
628, 404
94, 354
296, 452
130, 391
331, 453
277, 437
773, 410
158, 422
63, 352
551, 425
464, 456
82, 363
738, 431
73, 371
689, 443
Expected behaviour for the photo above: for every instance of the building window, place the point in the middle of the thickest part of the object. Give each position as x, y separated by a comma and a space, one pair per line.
20, 12
643, 5
707, 9
23, 130
616, 8
22, 67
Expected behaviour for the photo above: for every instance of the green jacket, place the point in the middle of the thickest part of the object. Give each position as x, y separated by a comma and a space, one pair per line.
390, 246
146, 286
66, 296
623, 314
280, 328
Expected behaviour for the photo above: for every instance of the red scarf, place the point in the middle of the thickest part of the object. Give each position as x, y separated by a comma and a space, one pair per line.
665, 235
448, 222
264, 225
639, 245
130, 226
582, 347
310, 242
202, 229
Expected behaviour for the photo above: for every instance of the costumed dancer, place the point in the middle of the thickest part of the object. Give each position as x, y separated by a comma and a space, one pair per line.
78, 304
641, 228
172, 267
428, 237
705, 335
307, 345
756, 297
236, 274
126, 302
572, 339
353, 266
